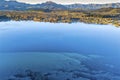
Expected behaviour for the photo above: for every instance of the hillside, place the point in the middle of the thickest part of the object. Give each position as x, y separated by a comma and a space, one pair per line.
100, 16
113, 13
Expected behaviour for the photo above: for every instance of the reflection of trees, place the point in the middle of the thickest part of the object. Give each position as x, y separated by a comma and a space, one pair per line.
4, 18
61, 16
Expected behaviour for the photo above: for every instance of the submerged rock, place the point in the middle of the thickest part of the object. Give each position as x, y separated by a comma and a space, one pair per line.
69, 67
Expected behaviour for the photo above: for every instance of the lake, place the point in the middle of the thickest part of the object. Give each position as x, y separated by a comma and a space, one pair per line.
40, 46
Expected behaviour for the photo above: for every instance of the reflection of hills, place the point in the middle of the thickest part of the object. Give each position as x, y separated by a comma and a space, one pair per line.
62, 66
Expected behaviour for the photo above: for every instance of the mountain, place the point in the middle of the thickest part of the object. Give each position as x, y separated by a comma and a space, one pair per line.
50, 5
15, 5
93, 6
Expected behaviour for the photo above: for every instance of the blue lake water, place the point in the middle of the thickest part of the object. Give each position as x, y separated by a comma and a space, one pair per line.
29, 38
59, 37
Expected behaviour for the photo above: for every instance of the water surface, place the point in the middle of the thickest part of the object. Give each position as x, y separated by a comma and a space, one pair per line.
59, 37
40, 45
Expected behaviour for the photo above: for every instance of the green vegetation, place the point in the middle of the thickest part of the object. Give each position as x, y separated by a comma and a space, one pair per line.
100, 16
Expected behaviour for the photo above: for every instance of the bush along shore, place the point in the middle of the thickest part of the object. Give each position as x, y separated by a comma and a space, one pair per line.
66, 16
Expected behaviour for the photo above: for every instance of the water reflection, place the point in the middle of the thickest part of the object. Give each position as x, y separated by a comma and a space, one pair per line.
59, 37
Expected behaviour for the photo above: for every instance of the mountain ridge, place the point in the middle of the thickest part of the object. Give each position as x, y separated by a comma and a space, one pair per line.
15, 5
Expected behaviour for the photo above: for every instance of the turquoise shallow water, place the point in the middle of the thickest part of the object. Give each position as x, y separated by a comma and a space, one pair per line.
47, 47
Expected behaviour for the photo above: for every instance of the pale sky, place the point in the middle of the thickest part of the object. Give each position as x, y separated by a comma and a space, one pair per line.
71, 1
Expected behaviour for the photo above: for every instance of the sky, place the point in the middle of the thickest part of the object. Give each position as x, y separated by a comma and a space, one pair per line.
71, 1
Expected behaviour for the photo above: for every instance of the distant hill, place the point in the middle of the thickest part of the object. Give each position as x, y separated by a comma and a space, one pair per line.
14, 5
50, 5
93, 6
